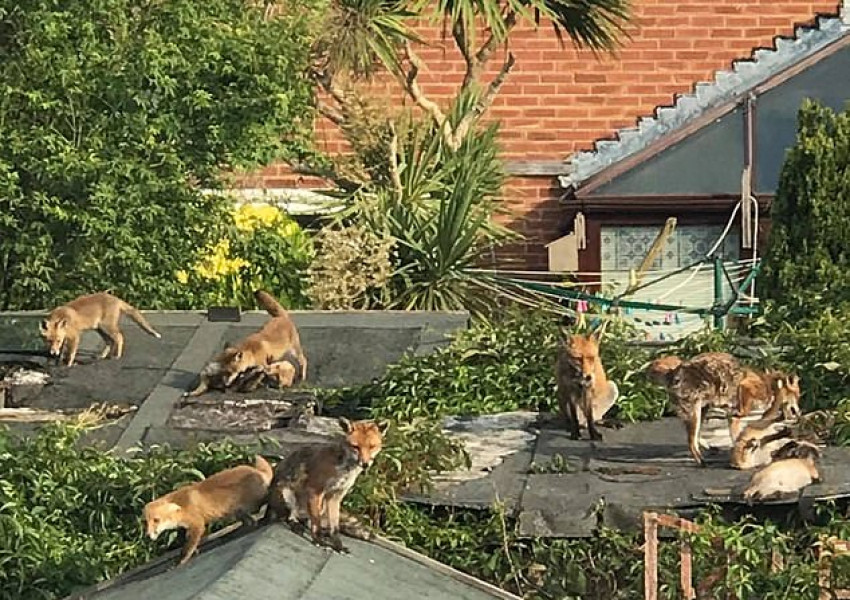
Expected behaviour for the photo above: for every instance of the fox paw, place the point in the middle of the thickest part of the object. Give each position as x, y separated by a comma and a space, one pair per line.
332, 542
297, 527
336, 544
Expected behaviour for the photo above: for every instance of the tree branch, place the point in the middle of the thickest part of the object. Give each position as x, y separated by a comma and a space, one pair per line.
475, 65
395, 174
462, 43
483, 103
326, 81
415, 91
331, 114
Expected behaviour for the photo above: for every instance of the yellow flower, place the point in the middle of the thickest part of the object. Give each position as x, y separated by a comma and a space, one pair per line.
182, 277
289, 228
218, 262
248, 216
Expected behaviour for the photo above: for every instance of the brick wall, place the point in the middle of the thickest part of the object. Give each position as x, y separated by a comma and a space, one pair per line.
559, 101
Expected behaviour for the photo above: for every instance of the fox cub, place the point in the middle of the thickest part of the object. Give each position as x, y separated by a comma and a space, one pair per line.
786, 476
240, 492
101, 312
312, 481
269, 345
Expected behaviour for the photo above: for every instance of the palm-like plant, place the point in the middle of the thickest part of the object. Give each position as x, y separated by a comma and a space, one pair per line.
362, 34
432, 188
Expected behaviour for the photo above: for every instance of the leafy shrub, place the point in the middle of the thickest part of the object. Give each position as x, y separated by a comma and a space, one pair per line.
436, 203
351, 264
115, 114
262, 248
71, 516
503, 365
807, 267
609, 565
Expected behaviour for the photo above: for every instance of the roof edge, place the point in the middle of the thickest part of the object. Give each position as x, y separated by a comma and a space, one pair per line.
694, 110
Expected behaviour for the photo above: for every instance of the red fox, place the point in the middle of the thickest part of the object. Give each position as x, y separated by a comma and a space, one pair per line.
267, 346
758, 444
101, 312
584, 392
312, 481
239, 491
773, 390
779, 392
660, 368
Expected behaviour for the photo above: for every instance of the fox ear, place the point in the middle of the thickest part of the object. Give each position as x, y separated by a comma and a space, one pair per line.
42, 326
63, 323
237, 356
383, 427
346, 425
794, 380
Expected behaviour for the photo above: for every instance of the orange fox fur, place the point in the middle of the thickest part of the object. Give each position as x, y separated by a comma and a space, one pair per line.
239, 491
312, 481
276, 338
584, 392
101, 312
778, 392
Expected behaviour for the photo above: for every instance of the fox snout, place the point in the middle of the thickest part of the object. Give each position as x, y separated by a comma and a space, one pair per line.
586, 380
365, 464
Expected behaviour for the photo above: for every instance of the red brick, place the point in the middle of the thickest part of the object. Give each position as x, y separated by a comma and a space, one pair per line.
559, 100
589, 78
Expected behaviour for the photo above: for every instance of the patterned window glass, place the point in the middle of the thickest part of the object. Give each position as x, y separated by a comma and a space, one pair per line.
624, 247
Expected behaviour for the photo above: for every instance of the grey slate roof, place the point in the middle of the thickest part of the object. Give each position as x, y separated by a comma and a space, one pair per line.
727, 86
274, 563
343, 349
643, 466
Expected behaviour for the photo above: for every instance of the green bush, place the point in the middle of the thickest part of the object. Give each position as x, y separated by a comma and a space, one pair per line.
262, 248
807, 267
504, 365
115, 114
71, 516
434, 202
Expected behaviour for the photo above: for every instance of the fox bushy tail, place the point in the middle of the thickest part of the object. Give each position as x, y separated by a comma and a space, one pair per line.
265, 469
267, 301
139, 319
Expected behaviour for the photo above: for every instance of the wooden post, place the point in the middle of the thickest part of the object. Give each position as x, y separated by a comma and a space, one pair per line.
827, 549
651, 522
650, 556
685, 575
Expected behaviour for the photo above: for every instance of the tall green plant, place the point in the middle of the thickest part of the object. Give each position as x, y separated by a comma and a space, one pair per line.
807, 267
113, 115
437, 205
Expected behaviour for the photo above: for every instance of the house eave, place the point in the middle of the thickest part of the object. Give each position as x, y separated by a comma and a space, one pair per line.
710, 101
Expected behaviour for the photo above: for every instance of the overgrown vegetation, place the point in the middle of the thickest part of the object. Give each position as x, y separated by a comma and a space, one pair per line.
114, 116
70, 515
807, 268
351, 264
260, 248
